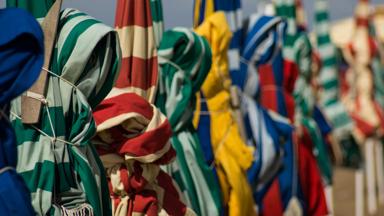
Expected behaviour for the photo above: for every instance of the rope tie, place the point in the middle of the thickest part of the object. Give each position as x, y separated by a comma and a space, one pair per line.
221, 144
5, 169
45, 102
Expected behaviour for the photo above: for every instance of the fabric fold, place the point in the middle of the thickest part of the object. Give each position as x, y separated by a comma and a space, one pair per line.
232, 156
185, 60
57, 160
133, 141
21, 58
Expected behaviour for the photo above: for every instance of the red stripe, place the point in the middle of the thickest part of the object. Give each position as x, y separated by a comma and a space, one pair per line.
149, 142
122, 104
291, 72
137, 72
133, 12
146, 203
171, 201
362, 21
272, 201
310, 179
125, 179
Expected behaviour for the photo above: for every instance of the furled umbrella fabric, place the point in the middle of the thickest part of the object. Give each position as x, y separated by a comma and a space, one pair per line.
185, 59
133, 141
297, 51
38, 8
263, 64
256, 52
139, 70
360, 53
21, 58
55, 156
305, 102
328, 76
233, 13
157, 20
232, 156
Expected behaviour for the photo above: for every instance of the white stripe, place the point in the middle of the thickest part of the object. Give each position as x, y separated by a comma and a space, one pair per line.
119, 119
149, 158
279, 118
41, 201
30, 153
85, 44
321, 5
234, 19
67, 29
137, 41
149, 93
327, 74
322, 28
234, 59
327, 50
267, 145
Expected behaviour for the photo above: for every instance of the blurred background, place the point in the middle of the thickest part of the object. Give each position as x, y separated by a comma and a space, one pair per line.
179, 12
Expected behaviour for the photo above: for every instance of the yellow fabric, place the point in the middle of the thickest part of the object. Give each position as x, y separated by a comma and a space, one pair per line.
232, 156
209, 10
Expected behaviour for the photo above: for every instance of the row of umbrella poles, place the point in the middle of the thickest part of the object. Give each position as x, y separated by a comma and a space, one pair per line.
362, 51
89, 123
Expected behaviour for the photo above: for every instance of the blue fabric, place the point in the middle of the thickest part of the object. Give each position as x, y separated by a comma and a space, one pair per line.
21, 59
263, 37
204, 133
324, 126
262, 30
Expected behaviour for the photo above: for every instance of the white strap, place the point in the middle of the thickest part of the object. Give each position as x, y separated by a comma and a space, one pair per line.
5, 169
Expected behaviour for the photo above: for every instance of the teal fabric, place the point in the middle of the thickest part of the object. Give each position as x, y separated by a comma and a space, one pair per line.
185, 60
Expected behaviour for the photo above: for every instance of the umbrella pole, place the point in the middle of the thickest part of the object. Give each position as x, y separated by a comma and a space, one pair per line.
370, 173
359, 192
329, 198
379, 170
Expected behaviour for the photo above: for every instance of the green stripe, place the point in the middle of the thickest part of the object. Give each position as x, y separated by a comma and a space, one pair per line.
330, 62
46, 174
321, 16
331, 84
323, 39
71, 40
30, 134
156, 10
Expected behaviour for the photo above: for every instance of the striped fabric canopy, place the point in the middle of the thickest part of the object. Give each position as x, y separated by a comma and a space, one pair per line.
262, 60
185, 60
233, 13
260, 47
328, 75
262, 43
132, 133
133, 141
139, 70
297, 50
157, 20
57, 160
21, 54
232, 156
